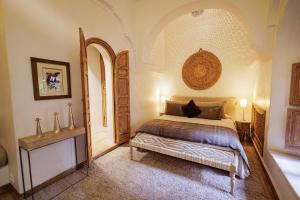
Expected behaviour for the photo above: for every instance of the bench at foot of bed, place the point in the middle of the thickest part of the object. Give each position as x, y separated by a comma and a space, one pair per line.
217, 157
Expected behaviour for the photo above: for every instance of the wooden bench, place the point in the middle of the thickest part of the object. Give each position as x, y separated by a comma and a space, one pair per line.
209, 155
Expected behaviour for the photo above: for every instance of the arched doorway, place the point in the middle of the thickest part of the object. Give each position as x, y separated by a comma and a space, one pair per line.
120, 92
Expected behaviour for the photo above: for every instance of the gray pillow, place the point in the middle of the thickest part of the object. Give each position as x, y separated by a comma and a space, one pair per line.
174, 108
204, 105
211, 112
3, 157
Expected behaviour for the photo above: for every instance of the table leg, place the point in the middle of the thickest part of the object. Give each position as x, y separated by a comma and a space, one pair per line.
22, 172
30, 175
76, 158
131, 152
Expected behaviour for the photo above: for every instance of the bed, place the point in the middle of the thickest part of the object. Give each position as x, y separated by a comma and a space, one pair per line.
207, 141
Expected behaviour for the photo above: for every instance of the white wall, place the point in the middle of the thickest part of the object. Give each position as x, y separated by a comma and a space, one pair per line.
94, 72
49, 29
7, 137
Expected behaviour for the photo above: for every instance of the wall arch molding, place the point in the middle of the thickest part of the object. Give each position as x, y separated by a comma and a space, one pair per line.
106, 5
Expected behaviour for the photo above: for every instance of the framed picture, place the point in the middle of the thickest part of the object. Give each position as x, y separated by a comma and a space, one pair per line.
51, 79
295, 85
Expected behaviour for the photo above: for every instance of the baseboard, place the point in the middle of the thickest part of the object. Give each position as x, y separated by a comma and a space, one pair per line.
53, 180
269, 176
106, 151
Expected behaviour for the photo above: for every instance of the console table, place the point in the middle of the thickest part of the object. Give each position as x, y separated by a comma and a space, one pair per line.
33, 142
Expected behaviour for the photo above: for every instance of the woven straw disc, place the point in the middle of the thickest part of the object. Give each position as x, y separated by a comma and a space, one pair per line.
201, 70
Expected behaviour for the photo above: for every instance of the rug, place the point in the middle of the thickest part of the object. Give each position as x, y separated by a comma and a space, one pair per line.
153, 176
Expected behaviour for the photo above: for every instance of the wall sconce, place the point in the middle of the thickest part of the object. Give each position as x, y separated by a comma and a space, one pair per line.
243, 104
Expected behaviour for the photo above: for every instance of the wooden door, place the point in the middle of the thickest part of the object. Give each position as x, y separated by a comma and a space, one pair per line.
85, 95
121, 95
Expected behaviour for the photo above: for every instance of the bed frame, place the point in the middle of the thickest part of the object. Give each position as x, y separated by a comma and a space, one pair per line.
213, 156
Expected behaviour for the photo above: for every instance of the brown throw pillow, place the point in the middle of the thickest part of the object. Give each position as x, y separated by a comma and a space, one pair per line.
213, 112
191, 110
174, 108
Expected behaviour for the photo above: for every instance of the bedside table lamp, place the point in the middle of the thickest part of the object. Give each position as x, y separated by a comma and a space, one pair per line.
243, 104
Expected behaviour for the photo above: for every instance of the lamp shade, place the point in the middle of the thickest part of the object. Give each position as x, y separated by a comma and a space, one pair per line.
243, 103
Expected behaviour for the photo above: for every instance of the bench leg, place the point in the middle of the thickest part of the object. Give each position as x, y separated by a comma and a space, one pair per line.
131, 152
232, 180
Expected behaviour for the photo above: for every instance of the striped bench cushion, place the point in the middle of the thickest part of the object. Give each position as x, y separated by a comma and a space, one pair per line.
221, 158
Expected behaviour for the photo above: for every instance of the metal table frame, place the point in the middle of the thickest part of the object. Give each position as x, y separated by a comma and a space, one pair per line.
30, 171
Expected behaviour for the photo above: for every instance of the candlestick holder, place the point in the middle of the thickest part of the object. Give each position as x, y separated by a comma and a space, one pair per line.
56, 128
39, 132
71, 118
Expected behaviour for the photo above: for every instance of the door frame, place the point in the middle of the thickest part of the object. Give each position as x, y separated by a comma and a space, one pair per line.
120, 65
112, 55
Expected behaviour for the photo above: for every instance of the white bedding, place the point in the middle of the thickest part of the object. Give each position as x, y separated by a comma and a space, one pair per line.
228, 123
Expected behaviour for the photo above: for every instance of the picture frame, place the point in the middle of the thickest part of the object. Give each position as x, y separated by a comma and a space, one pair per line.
292, 136
295, 85
51, 79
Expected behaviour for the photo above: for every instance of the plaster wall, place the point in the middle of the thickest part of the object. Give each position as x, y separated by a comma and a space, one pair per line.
49, 29
7, 137
95, 89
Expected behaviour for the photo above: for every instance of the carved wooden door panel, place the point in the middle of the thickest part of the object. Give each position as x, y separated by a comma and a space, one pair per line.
122, 100
85, 95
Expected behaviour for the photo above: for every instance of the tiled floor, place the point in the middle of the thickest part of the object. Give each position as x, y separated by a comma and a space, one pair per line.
101, 141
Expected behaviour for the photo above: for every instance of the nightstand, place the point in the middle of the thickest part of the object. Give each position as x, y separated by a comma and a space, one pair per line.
243, 129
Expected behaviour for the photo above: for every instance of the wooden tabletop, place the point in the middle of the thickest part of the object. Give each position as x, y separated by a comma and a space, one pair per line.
33, 142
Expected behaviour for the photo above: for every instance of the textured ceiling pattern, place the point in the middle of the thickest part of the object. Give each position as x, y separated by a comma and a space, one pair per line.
215, 30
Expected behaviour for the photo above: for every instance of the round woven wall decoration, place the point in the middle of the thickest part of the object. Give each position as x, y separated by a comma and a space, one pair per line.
201, 70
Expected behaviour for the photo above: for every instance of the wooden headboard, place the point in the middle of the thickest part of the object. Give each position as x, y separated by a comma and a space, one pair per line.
258, 127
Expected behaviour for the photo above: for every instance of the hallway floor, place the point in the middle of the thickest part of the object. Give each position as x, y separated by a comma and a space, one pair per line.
102, 141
